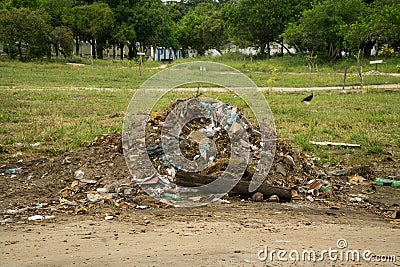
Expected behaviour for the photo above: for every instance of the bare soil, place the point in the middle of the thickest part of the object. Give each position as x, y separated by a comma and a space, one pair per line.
214, 235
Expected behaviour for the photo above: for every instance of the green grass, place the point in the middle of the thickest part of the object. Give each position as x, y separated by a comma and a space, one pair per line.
59, 119
100, 74
370, 119
275, 72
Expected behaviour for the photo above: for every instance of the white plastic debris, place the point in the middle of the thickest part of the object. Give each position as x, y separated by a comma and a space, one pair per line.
35, 218
102, 190
108, 217
79, 174
141, 207
94, 197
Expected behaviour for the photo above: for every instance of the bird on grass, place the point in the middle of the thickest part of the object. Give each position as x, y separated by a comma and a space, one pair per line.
308, 98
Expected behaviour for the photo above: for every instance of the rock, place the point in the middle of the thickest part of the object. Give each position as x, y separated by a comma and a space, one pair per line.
257, 197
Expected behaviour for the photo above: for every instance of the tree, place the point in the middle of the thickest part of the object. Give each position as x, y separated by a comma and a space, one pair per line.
260, 22
143, 22
62, 40
383, 23
56, 9
92, 23
322, 29
202, 29
25, 32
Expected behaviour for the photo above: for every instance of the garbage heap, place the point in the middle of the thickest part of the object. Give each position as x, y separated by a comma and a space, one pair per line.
97, 177
208, 141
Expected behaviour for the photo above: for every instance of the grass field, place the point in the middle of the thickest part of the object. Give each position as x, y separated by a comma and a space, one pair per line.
65, 107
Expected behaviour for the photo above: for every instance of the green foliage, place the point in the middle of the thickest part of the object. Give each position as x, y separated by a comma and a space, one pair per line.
202, 28
327, 27
29, 4
259, 22
25, 32
61, 38
323, 28
91, 23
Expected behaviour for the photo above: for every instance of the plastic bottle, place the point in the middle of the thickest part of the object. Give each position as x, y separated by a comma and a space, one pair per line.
396, 184
326, 188
169, 196
386, 182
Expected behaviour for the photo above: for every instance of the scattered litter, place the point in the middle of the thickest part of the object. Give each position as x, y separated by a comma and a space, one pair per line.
141, 207
108, 217
387, 182
88, 181
334, 144
15, 211
102, 190
225, 201
79, 174
14, 170
358, 198
357, 180
35, 218
40, 217
274, 198
6, 220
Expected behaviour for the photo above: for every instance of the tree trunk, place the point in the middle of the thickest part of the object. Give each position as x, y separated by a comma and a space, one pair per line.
77, 46
268, 50
262, 49
283, 47
359, 70
332, 55
93, 48
189, 179
367, 47
114, 51
132, 50
99, 50
121, 50
20, 50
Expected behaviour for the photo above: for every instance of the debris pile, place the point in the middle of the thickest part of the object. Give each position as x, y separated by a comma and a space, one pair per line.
97, 179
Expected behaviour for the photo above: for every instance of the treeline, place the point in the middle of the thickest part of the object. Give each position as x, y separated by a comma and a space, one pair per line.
329, 28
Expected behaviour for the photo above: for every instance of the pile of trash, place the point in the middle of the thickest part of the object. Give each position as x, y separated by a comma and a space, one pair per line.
97, 178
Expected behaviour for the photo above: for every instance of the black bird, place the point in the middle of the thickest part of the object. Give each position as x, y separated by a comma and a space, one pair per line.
307, 99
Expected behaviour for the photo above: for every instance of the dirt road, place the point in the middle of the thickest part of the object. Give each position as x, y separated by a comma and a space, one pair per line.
236, 234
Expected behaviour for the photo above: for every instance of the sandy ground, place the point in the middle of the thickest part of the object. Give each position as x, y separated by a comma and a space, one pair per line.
214, 235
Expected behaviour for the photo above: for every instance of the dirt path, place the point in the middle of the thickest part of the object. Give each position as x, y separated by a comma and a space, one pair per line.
215, 235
